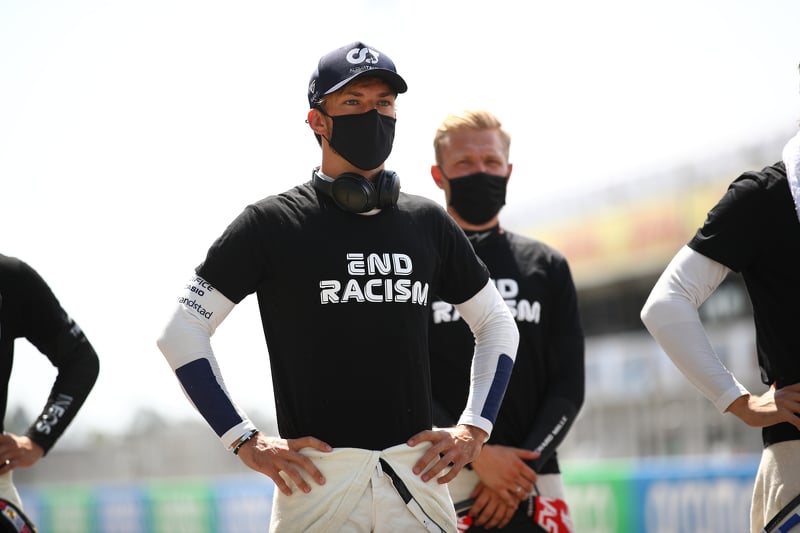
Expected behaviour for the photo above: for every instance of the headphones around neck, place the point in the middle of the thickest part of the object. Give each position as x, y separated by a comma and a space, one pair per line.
356, 194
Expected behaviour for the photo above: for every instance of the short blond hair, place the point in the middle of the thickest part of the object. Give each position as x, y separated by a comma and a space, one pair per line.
468, 120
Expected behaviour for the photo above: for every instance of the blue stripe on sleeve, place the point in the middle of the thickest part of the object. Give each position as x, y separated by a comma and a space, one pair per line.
498, 389
202, 387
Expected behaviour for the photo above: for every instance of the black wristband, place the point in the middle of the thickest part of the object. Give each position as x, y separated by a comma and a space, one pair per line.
246, 437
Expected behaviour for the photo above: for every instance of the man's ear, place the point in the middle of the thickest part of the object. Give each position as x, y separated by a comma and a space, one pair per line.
437, 176
317, 123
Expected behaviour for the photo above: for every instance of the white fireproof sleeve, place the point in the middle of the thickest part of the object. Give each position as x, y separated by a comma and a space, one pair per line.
670, 315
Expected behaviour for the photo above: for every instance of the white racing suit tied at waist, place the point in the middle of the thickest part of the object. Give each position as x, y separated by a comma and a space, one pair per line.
348, 472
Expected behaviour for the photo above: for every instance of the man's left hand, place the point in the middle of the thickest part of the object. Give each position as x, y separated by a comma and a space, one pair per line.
18, 451
503, 469
450, 448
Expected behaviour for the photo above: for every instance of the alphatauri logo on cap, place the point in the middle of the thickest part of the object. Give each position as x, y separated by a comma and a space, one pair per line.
356, 56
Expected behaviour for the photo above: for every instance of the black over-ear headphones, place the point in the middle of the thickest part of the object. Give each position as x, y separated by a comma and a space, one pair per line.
356, 194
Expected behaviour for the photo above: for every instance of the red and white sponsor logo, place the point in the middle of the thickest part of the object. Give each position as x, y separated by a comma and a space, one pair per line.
552, 515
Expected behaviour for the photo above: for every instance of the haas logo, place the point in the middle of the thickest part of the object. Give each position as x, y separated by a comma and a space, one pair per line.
552, 515
356, 56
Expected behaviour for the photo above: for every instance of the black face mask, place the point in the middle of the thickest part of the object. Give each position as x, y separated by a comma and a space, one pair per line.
478, 197
364, 140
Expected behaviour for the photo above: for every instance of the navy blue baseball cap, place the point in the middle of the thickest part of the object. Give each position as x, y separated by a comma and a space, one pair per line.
338, 68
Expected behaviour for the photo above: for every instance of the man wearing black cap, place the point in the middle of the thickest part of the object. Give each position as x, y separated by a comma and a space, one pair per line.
344, 267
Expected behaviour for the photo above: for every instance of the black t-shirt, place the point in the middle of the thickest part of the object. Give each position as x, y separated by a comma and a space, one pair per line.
546, 389
344, 301
28, 309
754, 230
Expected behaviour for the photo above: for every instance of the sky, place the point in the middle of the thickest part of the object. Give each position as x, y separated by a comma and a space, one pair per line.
132, 133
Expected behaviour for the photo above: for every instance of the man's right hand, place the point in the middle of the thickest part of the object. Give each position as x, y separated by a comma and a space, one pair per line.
273, 455
491, 509
772, 407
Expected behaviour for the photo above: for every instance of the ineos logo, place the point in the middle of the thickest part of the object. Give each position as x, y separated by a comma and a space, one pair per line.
362, 55
53, 413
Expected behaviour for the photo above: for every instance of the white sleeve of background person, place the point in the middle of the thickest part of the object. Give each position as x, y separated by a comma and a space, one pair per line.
670, 315
496, 336
187, 338
791, 158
